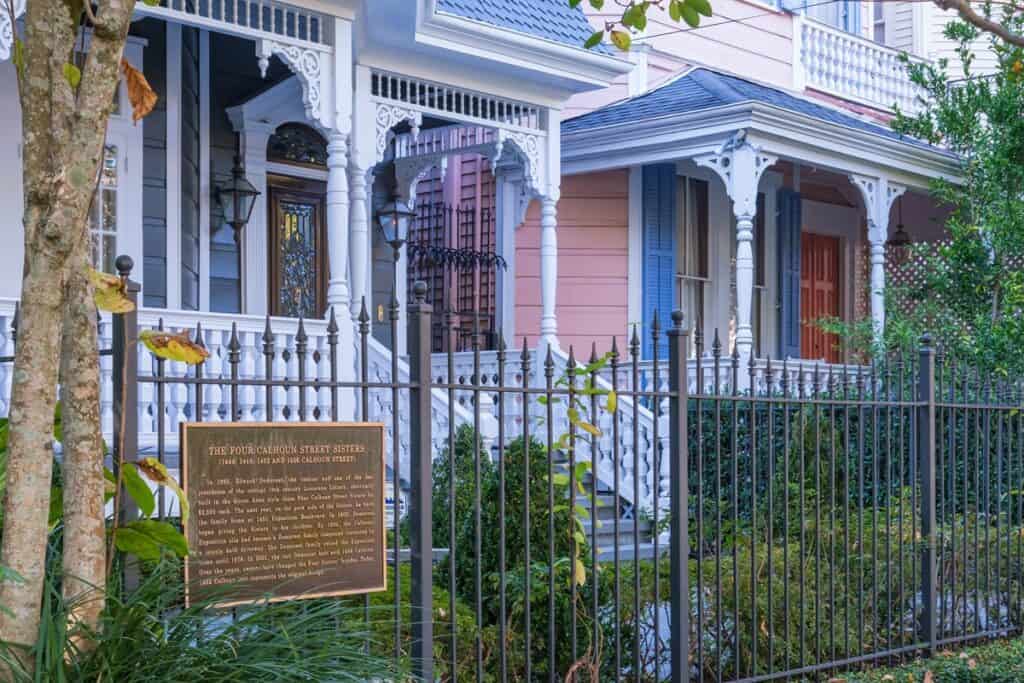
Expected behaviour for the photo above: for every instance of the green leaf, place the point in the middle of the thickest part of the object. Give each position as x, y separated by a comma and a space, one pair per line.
131, 542
595, 39
574, 3
690, 16
109, 485
559, 479
613, 402
579, 538
152, 3
72, 74
597, 4
156, 534
139, 491
675, 10
621, 40
589, 428
702, 6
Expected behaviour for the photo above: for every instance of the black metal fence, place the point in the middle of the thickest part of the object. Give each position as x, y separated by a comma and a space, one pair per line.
809, 525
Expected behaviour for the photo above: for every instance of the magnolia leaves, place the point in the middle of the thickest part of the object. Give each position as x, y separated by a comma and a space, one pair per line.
157, 473
110, 292
170, 346
634, 19
140, 94
147, 538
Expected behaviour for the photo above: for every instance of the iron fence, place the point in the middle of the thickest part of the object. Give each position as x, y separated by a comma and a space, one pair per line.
809, 523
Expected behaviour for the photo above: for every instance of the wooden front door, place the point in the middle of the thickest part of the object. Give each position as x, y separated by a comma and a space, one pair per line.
819, 295
297, 247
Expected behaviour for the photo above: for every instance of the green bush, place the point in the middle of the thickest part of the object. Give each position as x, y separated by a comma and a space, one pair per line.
998, 662
149, 635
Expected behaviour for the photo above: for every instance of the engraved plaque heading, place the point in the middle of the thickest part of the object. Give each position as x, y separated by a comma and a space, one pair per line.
283, 510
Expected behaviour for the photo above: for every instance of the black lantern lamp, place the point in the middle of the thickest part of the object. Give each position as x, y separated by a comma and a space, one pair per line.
237, 198
899, 243
394, 219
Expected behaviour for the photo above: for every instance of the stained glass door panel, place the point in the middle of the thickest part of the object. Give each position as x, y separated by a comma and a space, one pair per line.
298, 262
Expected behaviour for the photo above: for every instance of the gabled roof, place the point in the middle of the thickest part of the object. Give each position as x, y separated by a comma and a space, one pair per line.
702, 88
552, 20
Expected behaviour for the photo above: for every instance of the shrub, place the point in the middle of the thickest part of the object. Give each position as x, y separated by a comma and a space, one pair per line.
148, 635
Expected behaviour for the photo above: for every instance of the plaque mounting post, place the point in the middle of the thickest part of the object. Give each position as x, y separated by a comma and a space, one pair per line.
421, 540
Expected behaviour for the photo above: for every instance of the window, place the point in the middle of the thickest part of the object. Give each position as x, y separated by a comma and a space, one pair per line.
692, 260
878, 21
103, 215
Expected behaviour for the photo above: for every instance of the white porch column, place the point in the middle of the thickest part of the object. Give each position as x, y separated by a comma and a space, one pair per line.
359, 237
878, 194
337, 221
364, 136
253, 143
548, 272
551, 181
510, 208
740, 164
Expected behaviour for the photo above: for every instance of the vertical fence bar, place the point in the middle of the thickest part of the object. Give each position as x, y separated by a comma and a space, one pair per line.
420, 478
679, 550
125, 368
926, 460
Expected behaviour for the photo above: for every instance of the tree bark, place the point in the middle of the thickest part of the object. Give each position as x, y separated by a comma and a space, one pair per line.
972, 16
84, 558
63, 132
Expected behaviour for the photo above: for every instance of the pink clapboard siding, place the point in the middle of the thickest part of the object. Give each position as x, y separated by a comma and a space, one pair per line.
591, 302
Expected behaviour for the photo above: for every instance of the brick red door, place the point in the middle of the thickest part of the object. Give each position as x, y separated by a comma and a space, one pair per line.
819, 295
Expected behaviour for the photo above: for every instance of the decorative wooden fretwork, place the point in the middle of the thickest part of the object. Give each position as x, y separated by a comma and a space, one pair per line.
248, 18
455, 103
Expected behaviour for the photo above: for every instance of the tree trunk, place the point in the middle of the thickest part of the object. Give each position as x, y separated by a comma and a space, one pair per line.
63, 134
84, 529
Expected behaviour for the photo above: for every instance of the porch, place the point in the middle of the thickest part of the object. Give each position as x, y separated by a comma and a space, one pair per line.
757, 211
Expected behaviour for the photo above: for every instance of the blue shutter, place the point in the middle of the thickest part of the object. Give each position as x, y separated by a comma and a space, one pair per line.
851, 16
790, 221
659, 228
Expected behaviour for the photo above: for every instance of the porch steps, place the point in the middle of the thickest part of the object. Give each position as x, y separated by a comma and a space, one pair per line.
610, 507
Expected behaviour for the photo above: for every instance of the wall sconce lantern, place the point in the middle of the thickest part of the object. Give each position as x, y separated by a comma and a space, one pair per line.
237, 198
899, 243
394, 219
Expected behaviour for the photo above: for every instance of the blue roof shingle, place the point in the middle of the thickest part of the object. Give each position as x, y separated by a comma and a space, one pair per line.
549, 19
704, 88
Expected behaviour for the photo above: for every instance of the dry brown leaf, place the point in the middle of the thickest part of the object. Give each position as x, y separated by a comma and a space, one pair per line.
972, 663
140, 94
928, 677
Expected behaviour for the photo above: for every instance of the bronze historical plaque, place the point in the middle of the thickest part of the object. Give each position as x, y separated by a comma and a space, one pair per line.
283, 510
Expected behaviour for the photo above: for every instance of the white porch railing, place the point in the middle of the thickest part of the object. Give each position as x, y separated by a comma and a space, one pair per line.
851, 67
636, 461
632, 462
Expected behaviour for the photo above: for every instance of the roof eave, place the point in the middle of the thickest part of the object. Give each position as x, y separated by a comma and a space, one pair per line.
579, 69
676, 136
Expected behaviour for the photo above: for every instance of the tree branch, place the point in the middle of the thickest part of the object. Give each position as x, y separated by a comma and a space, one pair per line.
968, 14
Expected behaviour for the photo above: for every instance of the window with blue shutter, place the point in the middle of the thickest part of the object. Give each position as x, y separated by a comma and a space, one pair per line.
790, 220
659, 245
